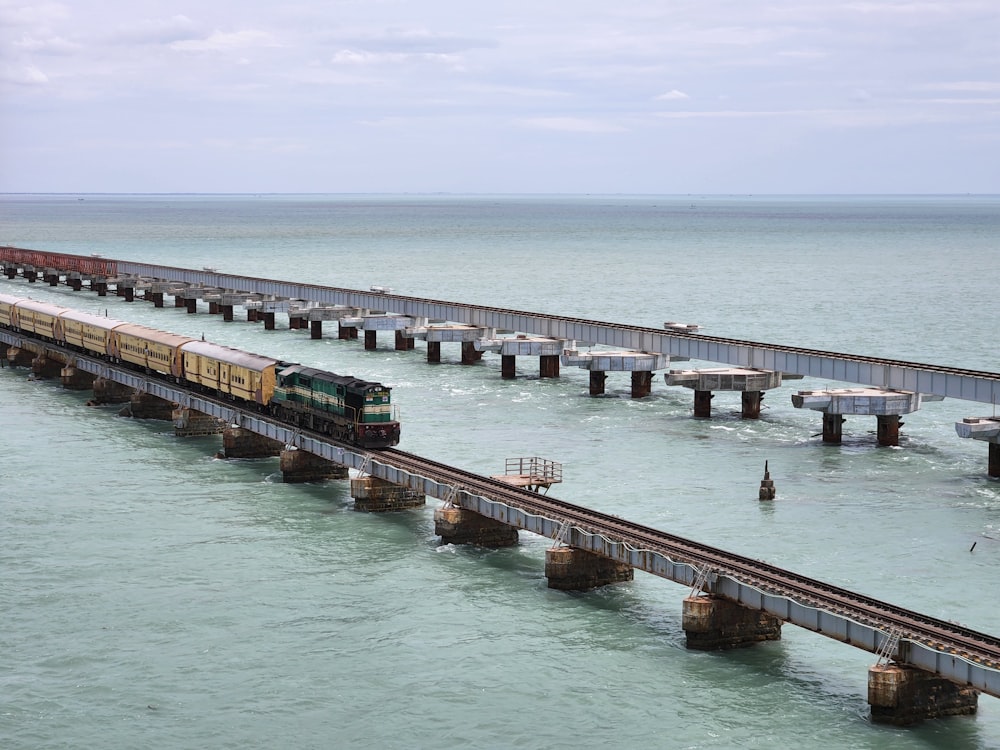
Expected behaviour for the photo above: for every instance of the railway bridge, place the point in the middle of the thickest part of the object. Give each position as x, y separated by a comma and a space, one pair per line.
891, 388
926, 667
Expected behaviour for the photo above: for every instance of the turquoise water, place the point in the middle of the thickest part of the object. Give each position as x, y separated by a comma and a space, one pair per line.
155, 595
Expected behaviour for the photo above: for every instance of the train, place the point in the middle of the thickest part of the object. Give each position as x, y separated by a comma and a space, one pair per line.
343, 407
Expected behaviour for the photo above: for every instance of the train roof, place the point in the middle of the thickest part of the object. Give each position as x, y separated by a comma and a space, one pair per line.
228, 354
151, 334
348, 381
10, 299
79, 316
42, 307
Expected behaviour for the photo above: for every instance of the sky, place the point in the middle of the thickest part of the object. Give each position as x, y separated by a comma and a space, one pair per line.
550, 96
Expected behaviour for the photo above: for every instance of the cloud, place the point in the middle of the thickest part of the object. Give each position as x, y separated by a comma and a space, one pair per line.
156, 31
23, 75
222, 41
571, 125
672, 96
55, 45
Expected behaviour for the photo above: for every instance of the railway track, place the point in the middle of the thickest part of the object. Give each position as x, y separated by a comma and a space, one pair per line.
937, 634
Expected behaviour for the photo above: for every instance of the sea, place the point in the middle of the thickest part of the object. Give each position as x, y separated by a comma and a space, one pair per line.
154, 595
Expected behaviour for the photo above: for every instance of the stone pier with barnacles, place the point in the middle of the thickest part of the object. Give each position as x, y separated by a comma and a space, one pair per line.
712, 623
374, 495
750, 382
240, 443
642, 365
986, 429
547, 350
298, 466
885, 404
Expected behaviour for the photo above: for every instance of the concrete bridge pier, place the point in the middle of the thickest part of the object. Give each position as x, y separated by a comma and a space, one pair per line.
74, 282
508, 366
31, 275
156, 298
712, 623
460, 526
703, 403
178, 301
4, 348
315, 329
100, 286
988, 430
373, 495
213, 307
74, 379
299, 466
903, 695
19, 357
227, 313
548, 366
268, 321
433, 352
885, 404
470, 355
107, 391
833, 428
751, 401
191, 303
403, 344
371, 340
147, 406
573, 569
642, 383
345, 333
597, 381
51, 278
240, 443
45, 367
192, 423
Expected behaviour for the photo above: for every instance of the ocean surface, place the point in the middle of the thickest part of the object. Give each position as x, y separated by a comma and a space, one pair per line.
152, 595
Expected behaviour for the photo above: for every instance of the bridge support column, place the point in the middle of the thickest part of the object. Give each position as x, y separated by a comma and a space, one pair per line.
433, 351
461, 526
191, 305
240, 443
301, 466
156, 298
597, 378
572, 569
712, 624
508, 366
469, 353
347, 332
52, 279
642, 383
751, 404
43, 367
129, 293
269, 321
888, 429
4, 348
370, 340
74, 379
76, 283
548, 366
107, 391
31, 275
373, 495
19, 357
903, 695
833, 428
253, 316
178, 301
403, 344
227, 313
315, 329
147, 406
993, 466
191, 423
703, 403
213, 308
101, 287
